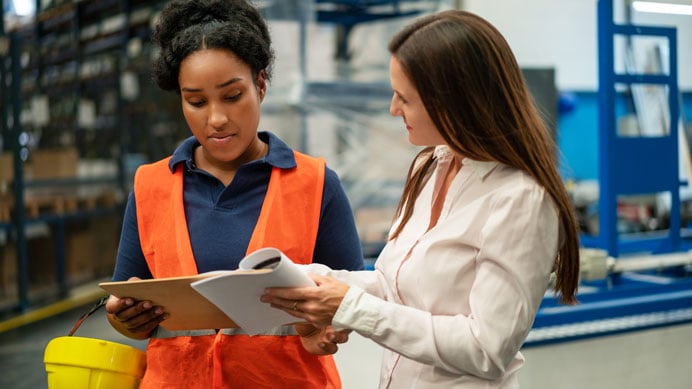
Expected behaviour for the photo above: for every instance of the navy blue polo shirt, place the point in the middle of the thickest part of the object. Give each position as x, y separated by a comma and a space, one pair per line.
221, 219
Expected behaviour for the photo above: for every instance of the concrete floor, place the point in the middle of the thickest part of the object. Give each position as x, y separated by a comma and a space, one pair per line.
22, 349
657, 358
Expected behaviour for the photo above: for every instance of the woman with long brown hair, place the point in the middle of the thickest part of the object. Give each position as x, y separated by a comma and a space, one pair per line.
483, 222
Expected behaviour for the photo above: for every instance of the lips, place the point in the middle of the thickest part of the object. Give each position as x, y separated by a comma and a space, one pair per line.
221, 136
222, 140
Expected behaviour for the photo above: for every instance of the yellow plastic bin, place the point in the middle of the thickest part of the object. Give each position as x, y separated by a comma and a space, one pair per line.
74, 362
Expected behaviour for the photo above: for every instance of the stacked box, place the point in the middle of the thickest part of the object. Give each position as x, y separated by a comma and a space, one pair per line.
80, 252
54, 163
8, 272
90, 248
106, 235
6, 175
41, 261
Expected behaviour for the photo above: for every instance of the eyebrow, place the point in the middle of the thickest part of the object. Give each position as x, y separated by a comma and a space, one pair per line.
222, 85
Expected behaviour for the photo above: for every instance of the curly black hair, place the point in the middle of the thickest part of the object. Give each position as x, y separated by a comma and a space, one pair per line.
187, 26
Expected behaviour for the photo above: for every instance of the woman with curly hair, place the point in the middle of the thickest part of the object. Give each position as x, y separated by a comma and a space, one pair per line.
226, 191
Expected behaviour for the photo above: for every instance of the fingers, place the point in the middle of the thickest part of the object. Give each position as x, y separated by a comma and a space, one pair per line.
321, 341
337, 336
319, 279
328, 348
135, 316
282, 303
286, 295
304, 310
316, 305
306, 330
330, 339
288, 306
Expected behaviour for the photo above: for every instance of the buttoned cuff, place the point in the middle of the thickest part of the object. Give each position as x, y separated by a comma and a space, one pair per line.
358, 311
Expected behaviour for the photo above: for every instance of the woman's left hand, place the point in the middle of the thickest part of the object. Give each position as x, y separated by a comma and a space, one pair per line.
316, 304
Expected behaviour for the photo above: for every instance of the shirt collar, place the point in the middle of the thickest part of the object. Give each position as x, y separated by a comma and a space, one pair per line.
480, 168
278, 155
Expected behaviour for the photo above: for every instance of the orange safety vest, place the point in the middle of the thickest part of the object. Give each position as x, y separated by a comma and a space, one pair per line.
288, 220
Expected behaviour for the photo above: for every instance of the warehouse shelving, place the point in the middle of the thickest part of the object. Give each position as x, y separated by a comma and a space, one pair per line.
63, 73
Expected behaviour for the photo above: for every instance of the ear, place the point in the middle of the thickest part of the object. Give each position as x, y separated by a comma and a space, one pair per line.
262, 84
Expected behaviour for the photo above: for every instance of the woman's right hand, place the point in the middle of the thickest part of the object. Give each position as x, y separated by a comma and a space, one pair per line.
321, 341
134, 318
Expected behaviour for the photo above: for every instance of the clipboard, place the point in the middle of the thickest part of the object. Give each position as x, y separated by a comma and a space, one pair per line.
188, 309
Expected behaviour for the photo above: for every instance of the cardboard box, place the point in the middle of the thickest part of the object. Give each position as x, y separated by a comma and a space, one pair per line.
80, 252
6, 206
41, 261
42, 164
8, 272
6, 166
106, 236
40, 252
56, 163
90, 248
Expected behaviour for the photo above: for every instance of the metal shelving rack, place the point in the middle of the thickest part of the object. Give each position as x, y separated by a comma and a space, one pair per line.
634, 165
651, 286
41, 60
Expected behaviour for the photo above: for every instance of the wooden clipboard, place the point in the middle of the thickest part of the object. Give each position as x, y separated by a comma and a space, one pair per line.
188, 309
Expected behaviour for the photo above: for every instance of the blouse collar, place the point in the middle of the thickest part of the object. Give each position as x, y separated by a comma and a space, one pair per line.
480, 168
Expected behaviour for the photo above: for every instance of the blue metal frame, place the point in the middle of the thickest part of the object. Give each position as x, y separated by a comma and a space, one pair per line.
621, 303
629, 301
18, 179
654, 159
349, 13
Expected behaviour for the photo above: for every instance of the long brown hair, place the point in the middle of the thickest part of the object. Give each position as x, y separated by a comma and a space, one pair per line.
475, 94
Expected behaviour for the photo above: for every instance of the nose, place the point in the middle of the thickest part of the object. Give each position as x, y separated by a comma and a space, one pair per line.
394, 108
217, 115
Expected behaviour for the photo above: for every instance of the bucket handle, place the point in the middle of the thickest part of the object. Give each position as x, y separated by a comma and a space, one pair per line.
93, 309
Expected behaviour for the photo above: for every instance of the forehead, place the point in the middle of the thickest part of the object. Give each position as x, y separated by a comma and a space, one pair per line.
394, 66
209, 62
399, 77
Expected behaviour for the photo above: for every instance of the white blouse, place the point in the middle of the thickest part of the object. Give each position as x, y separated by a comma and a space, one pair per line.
452, 306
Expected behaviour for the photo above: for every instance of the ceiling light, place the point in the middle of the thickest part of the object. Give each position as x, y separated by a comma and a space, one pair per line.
663, 8
23, 7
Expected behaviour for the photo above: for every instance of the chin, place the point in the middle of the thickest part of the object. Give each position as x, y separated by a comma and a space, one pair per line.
412, 140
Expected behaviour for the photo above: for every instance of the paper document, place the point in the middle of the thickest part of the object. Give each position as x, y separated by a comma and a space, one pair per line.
221, 299
237, 294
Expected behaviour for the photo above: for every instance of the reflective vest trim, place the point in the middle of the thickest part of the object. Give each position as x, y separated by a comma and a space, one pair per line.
162, 333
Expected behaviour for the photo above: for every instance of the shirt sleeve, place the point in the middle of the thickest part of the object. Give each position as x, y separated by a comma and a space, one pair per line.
130, 261
371, 281
338, 245
518, 246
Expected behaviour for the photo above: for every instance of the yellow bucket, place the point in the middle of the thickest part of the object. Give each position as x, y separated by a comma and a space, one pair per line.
85, 363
